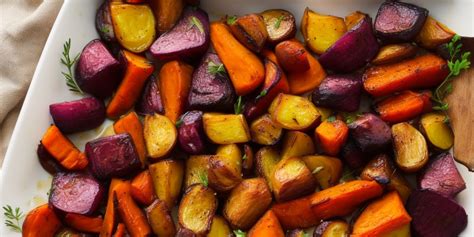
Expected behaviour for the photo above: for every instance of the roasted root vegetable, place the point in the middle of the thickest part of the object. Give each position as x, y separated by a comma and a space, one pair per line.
399, 21
264, 131
437, 131
327, 170
297, 233
248, 160
191, 133
84, 223
67, 232
197, 208
296, 213
113, 156
321, 31
331, 136
334, 228
226, 128
110, 217
442, 176
132, 125
150, 101
160, 135
175, 82
296, 144
435, 215
182, 41
402, 107
47, 161
353, 18
268, 225
167, 13
103, 23
353, 50
292, 56
219, 227
211, 88
225, 168
411, 150
352, 155
306, 81
382, 217
78, 115
59, 147
247, 202
160, 219
281, 25
393, 53
77, 193
424, 71
141, 188
97, 71
370, 133
339, 92
196, 169
293, 112
266, 160
167, 178
137, 71
433, 34
250, 30
292, 179
41, 221
134, 25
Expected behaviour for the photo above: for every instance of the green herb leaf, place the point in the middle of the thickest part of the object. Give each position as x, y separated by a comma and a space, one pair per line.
262, 94
441, 107
179, 123
66, 61
331, 118
319, 168
446, 120
104, 29
238, 106
305, 234
351, 117
244, 157
239, 233
278, 21
203, 179
215, 69
13, 218
231, 20
196, 22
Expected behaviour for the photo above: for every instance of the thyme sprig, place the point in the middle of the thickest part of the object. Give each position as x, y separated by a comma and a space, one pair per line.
69, 63
13, 217
239, 106
216, 69
203, 178
278, 22
239, 233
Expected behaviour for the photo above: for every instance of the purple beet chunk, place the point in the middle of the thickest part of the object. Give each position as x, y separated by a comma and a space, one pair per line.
150, 101
370, 133
47, 161
78, 115
353, 50
189, 38
103, 23
112, 156
78, 193
190, 132
442, 176
339, 92
353, 155
435, 215
97, 71
210, 91
399, 21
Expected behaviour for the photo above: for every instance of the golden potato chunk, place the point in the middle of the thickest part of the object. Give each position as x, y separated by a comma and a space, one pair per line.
224, 173
437, 131
292, 179
327, 170
196, 168
250, 30
160, 219
197, 209
293, 112
219, 228
297, 144
160, 135
352, 19
393, 53
266, 160
167, 13
433, 34
226, 128
264, 131
411, 151
167, 178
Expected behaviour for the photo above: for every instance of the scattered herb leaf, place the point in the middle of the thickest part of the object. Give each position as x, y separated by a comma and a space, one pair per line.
66, 61
196, 22
203, 179
238, 106
351, 117
305, 234
244, 157
104, 29
179, 123
331, 118
319, 168
262, 94
215, 69
446, 119
278, 21
441, 107
239, 233
13, 218
231, 20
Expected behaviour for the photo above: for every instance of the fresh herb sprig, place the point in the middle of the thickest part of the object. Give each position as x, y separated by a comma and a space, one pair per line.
231, 20
216, 69
196, 22
69, 63
239, 233
278, 22
458, 61
239, 106
13, 217
203, 178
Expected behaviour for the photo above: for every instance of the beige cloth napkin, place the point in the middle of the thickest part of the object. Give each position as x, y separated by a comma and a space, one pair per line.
24, 28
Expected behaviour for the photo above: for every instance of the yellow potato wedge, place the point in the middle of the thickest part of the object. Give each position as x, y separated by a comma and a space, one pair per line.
266, 160
327, 170
224, 173
393, 53
160, 135
134, 25
248, 160
292, 179
403, 231
264, 131
219, 228
437, 131
334, 228
167, 178
197, 209
411, 151
433, 34
247, 203
352, 19
297, 144
324, 112
250, 30
293, 112
196, 168
226, 128
160, 219
321, 31
167, 13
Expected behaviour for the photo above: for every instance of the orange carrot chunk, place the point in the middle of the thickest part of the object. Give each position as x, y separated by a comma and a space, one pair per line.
84, 223
137, 71
306, 81
121, 230
332, 135
401, 107
381, 217
63, 150
175, 82
267, 226
41, 221
110, 215
142, 188
131, 124
296, 213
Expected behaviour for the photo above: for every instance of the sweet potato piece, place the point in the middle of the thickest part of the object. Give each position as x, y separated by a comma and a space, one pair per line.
150, 101
297, 144
167, 13
247, 202
84, 223
250, 30
399, 21
370, 133
321, 31
292, 179
141, 188
121, 230
332, 135
266, 160
63, 150
160, 219
433, 34
268, 225
160, 135
167, 178
292, 56
327, 170
339, 92
197, 208
137, 71
41, 221
401, 107
436, 131
264, 131
411, 151
219, 227
352, 19
382, 216
132, 125
226, 128
342, 199
175, 82
394, 53
335, 228
442, 176
134, 25
306, 81
296, 213
110, 217
281, 25
247, 73
293, 112
191, 132
225, 168
420, 72
196, 167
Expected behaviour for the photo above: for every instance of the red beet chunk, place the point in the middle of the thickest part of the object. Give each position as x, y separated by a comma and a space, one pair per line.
190, 132
370, 133
339, 92
150, 101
